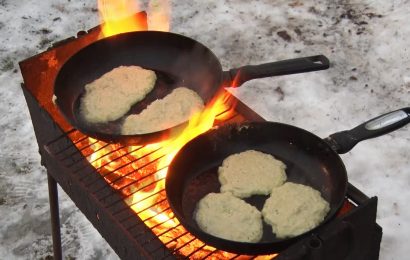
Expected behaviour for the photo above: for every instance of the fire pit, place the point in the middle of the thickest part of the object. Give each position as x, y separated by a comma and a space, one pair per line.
120, 188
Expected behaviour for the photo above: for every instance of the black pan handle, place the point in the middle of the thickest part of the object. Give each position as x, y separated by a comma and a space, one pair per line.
238, 76
344, 141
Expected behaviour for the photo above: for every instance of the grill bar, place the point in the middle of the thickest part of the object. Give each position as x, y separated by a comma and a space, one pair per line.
153, 161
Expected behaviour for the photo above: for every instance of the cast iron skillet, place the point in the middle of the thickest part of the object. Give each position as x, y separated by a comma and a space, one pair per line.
310, 160
177, 61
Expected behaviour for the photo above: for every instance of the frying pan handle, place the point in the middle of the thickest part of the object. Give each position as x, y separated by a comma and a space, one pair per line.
238, 76
344, 141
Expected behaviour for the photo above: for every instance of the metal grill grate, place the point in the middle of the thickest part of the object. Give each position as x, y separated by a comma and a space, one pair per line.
132, 172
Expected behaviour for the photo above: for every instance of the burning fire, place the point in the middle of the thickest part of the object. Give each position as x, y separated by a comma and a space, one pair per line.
118, 16
138, 172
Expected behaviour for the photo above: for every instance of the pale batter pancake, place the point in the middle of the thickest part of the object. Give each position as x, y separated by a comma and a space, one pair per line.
251, 173
174, 109
225, 216
293, 209
111, 96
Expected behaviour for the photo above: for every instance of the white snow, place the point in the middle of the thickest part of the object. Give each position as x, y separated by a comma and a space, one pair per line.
366, 42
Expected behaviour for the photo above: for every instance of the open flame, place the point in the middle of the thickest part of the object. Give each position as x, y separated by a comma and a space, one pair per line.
118, 16
138, 172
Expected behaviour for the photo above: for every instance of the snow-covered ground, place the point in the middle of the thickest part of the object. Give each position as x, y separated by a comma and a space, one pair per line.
366, 42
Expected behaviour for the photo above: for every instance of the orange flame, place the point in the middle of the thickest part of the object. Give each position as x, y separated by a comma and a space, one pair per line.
118, 16
165, 151
138, 172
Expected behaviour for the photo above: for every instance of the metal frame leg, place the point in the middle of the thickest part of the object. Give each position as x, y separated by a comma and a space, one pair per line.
55, 218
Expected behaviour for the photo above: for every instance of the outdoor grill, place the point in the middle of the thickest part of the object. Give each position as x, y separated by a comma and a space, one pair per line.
117, 187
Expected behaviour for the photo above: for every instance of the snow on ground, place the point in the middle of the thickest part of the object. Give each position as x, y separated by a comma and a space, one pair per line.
366, 42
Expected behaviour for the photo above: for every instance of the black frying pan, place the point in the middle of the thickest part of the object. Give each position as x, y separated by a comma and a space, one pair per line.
310, 160
177, 60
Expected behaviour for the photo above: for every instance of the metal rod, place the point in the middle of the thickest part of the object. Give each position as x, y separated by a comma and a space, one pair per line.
55, 218
195, 251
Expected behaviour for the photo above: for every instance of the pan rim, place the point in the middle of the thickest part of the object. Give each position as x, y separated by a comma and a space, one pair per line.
129, 139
